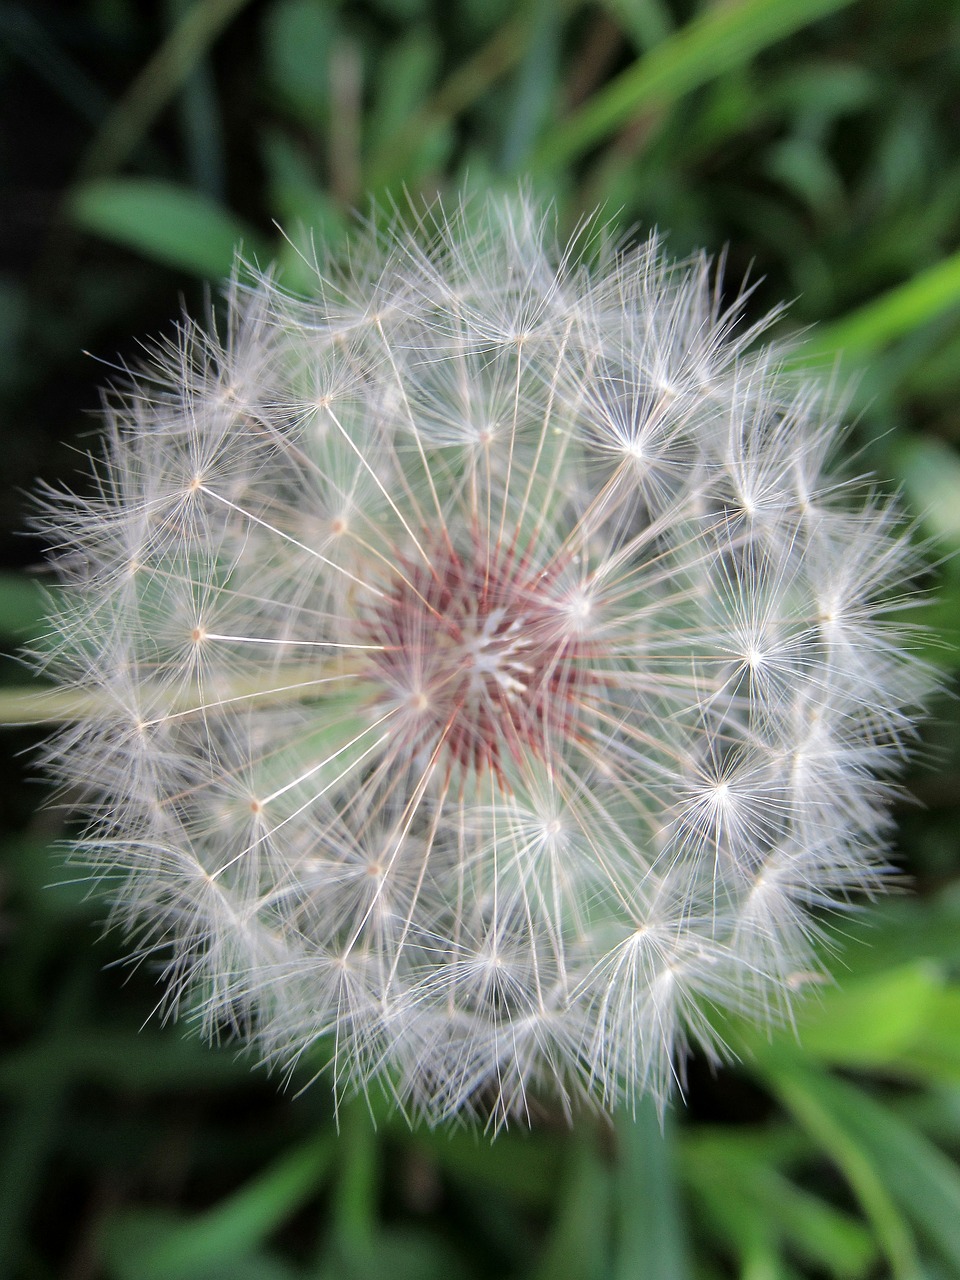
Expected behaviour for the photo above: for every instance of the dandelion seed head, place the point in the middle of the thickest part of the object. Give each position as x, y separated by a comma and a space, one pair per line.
488, 676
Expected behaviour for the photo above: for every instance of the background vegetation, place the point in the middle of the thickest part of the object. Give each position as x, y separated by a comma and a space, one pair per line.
820, 141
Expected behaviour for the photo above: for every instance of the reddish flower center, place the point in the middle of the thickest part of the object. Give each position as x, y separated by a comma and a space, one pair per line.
478, 656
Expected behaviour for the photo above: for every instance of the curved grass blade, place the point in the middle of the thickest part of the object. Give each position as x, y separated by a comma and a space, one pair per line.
721, 39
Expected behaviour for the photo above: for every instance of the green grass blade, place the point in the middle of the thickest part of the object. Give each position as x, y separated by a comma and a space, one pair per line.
535, 87
158, 82
461, 88
524, 1166
866, 1021
753, 1205
34, 1128
298, 40
651, 1236
167, 1249
647, 22
721, 39
201, 124
578, 1245
23, 605
168, 223
924, 1182
356, 1187
28, 38
116, 1058
928, 470
805, 1093
895, 314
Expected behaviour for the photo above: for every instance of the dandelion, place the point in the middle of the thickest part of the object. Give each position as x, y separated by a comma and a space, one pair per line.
491, 679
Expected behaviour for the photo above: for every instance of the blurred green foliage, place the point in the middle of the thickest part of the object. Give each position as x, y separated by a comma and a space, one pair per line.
818, 140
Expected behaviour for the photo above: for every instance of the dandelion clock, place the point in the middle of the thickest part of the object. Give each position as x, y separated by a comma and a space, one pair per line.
485, 679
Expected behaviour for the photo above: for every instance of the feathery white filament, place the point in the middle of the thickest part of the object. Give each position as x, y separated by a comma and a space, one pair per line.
490, 677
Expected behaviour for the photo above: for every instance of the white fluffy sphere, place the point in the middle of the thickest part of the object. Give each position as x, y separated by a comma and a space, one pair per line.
486, 677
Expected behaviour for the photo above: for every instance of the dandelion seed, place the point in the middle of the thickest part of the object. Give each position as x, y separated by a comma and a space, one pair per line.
491, 678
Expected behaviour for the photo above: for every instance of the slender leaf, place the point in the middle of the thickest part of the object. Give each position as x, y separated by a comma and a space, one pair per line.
724, 37
200, 120
22, 605
356, 1188
527, 1168
805, 1094
120, 1059
535, 86
929, 471
646, 21
651, 1234
33, 1129
459, 90
578, 1245
752, 1202
158, 82
869, 1021
170, 1248
168, 223
893, 315
924, 1182
299, 36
